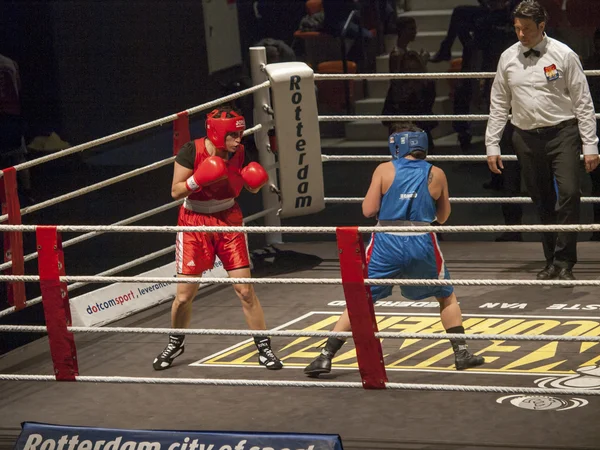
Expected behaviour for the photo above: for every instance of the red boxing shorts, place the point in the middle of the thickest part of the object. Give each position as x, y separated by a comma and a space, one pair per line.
195, 251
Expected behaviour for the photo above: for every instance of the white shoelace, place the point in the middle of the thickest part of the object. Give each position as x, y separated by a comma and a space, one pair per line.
170, 347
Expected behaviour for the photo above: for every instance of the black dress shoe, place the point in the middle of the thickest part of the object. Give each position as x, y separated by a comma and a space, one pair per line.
566, 274
549, 272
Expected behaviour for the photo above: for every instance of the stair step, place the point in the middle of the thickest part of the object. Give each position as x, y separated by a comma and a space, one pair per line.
430, 41
421, 5
430, 20
373, 130
374, 106
379, 88
382, 63
449, 143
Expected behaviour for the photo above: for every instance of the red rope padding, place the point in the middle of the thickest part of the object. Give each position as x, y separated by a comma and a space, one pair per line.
353, 268
13, 240
181, 131
55, 300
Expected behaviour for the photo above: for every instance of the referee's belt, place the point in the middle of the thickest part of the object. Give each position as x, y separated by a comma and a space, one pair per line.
558, 126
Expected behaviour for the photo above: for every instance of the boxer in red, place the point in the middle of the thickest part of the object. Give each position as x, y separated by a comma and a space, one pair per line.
209, 174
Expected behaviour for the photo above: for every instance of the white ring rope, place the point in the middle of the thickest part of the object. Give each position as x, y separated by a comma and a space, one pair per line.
260, 214
127, 221
462, 158
92, 187
313, 281
352, 158
460, 200
137, 129
308, 384
108, 182
117, 269
303, 333
411, 118
580, 228
92, 234
417, 76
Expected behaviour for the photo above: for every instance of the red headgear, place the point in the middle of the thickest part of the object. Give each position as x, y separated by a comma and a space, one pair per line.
218, 125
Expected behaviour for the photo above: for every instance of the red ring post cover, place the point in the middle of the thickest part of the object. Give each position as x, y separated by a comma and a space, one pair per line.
181, 131
55, 300
13, 240
353, 267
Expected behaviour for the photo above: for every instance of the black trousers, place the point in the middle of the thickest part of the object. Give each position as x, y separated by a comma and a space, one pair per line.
511, 182
547, 155
595, 177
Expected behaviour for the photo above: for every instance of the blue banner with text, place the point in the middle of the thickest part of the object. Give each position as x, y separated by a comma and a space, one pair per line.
38, 436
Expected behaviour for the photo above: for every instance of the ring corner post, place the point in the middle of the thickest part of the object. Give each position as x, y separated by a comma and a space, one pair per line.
298, 138
266, 153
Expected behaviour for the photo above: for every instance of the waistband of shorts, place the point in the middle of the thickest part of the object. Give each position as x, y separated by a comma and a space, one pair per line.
403, 223
208, 206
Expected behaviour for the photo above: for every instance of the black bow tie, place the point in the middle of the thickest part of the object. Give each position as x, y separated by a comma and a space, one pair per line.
530, 52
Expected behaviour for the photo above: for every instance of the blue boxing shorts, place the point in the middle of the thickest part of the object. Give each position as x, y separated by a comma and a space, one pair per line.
407, 257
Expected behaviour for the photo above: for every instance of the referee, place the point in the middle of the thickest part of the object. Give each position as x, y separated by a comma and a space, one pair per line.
542, 80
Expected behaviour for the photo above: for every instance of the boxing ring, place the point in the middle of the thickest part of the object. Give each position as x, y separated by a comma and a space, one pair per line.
537, 389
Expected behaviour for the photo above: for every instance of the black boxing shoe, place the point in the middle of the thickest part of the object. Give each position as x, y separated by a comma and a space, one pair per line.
321, 365
463, 359
266, 356
174, 349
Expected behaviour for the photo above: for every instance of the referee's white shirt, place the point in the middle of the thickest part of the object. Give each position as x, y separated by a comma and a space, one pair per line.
542, 92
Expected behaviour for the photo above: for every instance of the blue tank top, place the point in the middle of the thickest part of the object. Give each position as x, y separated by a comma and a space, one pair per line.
408, 197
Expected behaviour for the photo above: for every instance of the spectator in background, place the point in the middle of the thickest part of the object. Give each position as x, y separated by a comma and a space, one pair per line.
277, 50
494, 33
336, 14
406, 97
593, 63
463, 25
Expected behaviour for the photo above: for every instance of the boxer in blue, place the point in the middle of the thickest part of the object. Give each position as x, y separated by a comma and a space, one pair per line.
407, 191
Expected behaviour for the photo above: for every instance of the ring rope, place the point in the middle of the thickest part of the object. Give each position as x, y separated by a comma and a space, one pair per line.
580, 228
307, 384
117, 269
289, 333
352, 158
92, 187
85, 237
460, 200
137, 129
416, 76
260, 214
102, 184
125, 266
127, 221
313, 281
411, 118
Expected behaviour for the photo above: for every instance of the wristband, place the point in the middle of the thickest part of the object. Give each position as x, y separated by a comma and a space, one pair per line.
191, 184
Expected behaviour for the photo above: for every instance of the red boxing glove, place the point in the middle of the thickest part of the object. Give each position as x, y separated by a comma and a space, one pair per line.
254, 175
211, 170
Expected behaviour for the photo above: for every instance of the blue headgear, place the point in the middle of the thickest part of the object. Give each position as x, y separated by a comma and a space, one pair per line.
404, 142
